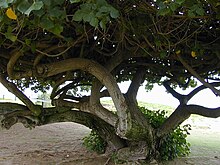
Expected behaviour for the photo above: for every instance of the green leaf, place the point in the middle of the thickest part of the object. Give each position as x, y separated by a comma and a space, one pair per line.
23, 6
88, 17
3, 4
161, 5
200, 11
191, 14
1, 18
78, 16
57, 29
35, 6
75, 1
47, 3
11, 37
164, 11
33, 47
102, 2
28, 41
114, 13
173, 6
180, 1
94, 22
163, 54
56, 12
46, 23
102, 24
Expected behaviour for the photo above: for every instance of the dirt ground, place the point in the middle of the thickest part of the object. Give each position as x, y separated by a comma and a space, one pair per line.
61, 144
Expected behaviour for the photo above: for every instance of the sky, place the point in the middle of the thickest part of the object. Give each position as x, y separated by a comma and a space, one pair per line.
157, 95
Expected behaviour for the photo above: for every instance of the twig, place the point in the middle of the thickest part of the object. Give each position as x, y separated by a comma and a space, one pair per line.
195, 74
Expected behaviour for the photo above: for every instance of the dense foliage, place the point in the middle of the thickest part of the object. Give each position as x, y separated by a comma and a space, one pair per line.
156, 31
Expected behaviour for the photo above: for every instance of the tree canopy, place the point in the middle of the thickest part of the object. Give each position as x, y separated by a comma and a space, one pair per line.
77, 45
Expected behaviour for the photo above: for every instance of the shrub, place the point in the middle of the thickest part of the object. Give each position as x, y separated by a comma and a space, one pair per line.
94, 142
173, 144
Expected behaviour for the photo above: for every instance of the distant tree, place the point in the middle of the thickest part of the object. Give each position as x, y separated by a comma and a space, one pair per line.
92, 44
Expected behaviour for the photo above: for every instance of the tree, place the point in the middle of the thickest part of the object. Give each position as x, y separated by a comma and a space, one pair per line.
78, 45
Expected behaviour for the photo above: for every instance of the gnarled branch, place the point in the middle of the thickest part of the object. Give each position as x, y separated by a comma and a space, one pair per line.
13, 89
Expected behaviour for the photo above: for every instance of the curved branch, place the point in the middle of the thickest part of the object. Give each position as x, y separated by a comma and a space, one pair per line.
182, 113
97, 110
58, 83
202, 111
13, 89
103, 75
198, 89
105, 130
182, 98
11, 63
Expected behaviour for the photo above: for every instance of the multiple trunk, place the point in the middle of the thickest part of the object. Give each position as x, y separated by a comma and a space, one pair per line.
127, 131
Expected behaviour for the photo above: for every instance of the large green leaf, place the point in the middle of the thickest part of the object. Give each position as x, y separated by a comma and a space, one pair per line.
78, 16
57, 29
23, 6
94, 22
56, 12
46, 23
35, 6
114, 13
3, 4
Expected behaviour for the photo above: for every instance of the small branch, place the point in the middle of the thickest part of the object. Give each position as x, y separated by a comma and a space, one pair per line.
175, 94
16, 54
13, 89
194, 73
198, 89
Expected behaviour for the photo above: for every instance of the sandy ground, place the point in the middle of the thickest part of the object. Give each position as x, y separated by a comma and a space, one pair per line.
62, 144
51, 144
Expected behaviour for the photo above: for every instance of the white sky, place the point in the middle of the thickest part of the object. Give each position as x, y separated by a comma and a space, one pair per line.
157, 95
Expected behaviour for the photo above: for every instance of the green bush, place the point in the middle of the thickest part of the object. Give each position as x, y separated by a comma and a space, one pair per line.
174, 144
94, 142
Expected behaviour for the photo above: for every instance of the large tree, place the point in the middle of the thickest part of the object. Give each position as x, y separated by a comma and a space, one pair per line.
93, 45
